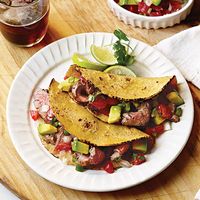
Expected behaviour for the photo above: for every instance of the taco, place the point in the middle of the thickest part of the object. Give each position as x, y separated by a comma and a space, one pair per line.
130, 101
83, 125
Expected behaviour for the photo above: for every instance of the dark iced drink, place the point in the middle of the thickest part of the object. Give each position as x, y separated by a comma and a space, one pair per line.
24, 22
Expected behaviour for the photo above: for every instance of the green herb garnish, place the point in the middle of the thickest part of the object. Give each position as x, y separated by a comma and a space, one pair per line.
57, 124
53, 121
79, 168
120, 35
125, 106
121, 49
66, 132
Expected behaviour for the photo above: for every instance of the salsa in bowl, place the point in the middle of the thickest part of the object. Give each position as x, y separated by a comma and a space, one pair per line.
152, 7
151, 14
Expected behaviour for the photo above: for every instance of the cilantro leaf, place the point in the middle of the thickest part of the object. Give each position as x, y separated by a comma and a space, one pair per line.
121, 49
120, 35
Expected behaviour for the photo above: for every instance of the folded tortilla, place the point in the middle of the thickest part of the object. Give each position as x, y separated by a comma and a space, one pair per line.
82, 124
122, 87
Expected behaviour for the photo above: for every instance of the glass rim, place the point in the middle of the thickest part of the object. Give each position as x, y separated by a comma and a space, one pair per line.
19, 6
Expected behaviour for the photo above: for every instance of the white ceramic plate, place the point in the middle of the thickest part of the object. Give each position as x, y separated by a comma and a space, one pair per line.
52, 62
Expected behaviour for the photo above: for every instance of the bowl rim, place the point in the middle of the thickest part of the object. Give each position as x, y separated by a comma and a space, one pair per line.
124, 11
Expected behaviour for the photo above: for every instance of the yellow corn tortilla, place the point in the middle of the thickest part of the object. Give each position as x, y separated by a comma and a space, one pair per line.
123, 87
82, 124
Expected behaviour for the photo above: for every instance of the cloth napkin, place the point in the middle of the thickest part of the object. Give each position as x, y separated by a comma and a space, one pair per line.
197, 196
183, 49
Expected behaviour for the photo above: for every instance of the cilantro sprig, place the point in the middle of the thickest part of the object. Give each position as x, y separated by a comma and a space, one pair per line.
121, 49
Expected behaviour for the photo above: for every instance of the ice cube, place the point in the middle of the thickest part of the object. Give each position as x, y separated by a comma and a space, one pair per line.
6, 2
20, 2
19, 16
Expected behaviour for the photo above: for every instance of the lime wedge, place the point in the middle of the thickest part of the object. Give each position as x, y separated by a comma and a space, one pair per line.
120, 70
82, 61
104, 55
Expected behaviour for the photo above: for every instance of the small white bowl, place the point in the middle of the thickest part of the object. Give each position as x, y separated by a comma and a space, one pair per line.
149, 22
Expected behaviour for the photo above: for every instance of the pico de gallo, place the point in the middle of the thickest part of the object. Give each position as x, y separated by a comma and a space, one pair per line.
152, 7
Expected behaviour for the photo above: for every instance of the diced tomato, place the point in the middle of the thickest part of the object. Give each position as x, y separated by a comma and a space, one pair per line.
166, 12
63, 147
164, 110
103, 104
109, 167
159, 129
112, 101
176, 5
34, 114
65, 77
99, 102
105, 111
156, 8
131, 8
143, 8
155, 13
138, 159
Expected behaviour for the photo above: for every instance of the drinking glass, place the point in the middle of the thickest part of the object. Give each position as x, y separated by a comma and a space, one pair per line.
24, 22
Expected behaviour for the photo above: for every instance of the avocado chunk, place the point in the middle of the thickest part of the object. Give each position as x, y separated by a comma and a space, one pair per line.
156, 2
67, 84
140, 145
175, 98
178, 112
156, 117
46, 129
127, 2
80, 147
115, 114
